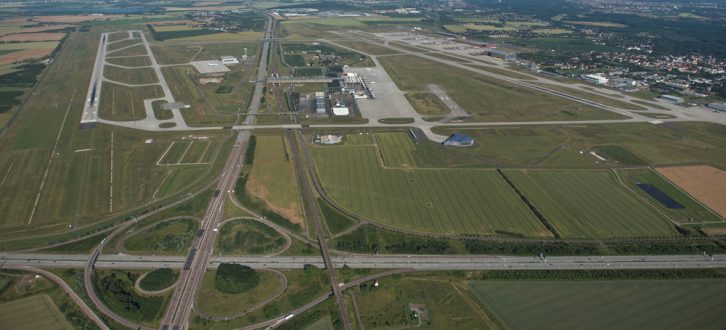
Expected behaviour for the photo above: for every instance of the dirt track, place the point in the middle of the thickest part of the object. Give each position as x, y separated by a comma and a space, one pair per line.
705, 183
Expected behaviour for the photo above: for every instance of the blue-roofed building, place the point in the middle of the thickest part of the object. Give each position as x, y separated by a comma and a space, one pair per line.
458, 140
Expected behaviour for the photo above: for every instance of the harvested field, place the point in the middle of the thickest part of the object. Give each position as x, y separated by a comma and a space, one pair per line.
73, 18
706, 183
42, 36
272, 178
24, 55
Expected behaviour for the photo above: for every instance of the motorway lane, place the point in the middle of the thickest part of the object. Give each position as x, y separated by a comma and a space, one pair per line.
180, 307
419, 262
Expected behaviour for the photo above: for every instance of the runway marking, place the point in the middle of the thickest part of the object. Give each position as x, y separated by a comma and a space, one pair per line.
7, 173
179, 161
158, 162
82, 150
50, 160
199, 161
110, 186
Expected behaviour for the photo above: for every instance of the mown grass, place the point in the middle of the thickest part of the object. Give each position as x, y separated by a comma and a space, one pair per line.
639, 304
123, 103
586, 204
487, 99
137, 76
216, 303
427, 104
431, 201
34, 312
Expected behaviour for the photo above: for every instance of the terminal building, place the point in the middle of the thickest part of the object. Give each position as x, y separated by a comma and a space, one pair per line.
458, 140
671, 98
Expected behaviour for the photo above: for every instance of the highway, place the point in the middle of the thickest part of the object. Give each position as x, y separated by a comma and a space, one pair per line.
418, 262
182, 301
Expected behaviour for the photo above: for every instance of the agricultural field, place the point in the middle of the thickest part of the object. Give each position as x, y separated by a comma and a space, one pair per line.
487, 99
21, 51
631, 304
673, 201
248, 237
124, 103
34, 312
589, 203
167, 237
272, 178
215, 303
442, 201
706, 183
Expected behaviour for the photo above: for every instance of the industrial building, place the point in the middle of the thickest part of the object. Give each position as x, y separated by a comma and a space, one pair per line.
320, 103
356, 85
717, 106
458, 140
340, 109
328, 139
597, 78
671, 98
229, 60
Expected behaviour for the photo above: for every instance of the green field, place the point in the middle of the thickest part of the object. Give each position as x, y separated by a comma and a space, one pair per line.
248, 237
272, 178
215, 303
431, 201
131, 51
138, 76
168, 237
591, 203
488, 99
427, 104
626, 304
77, 187
550, 146
158, 279
123, 103
175, 54
694, 212
202, 111
446, 301
130, 61
34, 312
116, 289
396, 149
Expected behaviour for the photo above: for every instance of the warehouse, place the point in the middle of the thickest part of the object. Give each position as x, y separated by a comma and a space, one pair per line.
458, 140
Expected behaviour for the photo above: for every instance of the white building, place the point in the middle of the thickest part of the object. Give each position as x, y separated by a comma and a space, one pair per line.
229, 60
597, 78
341, 111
